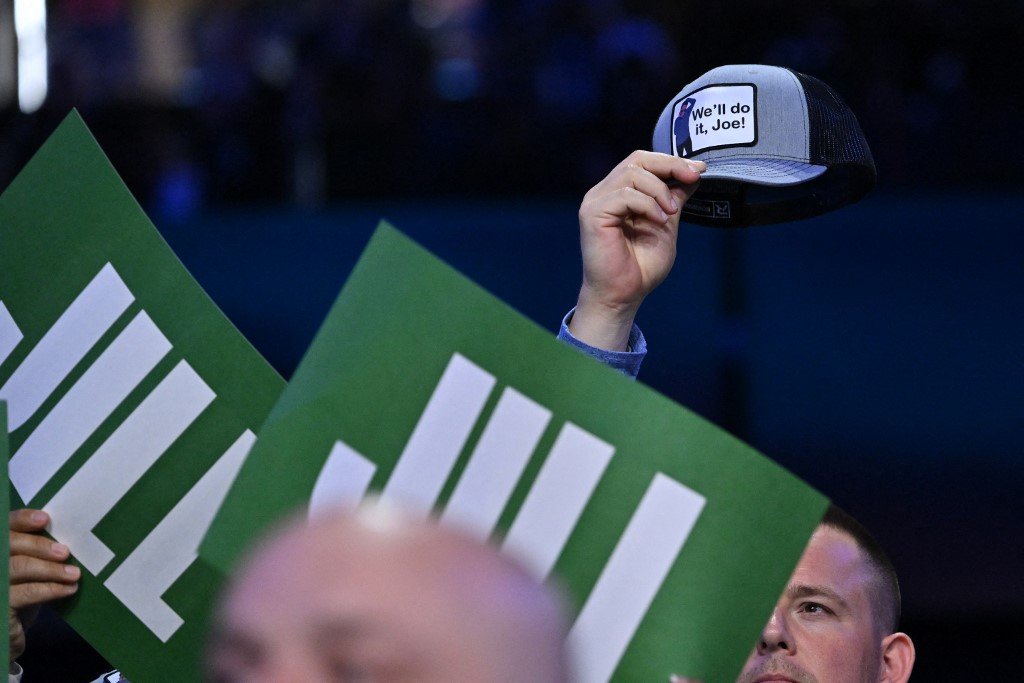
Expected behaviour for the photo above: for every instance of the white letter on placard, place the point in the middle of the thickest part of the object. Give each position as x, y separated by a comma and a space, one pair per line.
555, 502
343, 480
438, 438
10, 335
497, 463
169, 550
638, 566
91, 314
97, 393
122, 460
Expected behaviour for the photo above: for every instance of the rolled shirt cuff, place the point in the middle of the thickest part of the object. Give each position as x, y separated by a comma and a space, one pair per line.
626, 362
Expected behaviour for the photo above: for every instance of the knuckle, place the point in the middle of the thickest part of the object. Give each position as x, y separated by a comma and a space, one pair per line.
23, 595
31, 545
19, 566
35, 593
590, 205
38, 592
22, 520
29, 570
19, 541
18, 519
628, 175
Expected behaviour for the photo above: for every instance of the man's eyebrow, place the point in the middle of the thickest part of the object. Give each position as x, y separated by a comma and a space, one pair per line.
340, 627
805, 591
353, 629
366, 629
227, 641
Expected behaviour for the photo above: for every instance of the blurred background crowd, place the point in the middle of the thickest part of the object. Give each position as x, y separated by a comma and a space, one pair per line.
308, 101
877, 352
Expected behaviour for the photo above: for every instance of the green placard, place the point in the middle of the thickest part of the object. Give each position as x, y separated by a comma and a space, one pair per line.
5, 543
131, 399
673, 538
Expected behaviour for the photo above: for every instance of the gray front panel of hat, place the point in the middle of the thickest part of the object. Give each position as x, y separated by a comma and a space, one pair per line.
745, 110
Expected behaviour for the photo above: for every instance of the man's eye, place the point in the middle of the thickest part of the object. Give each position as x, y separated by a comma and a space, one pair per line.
814, 608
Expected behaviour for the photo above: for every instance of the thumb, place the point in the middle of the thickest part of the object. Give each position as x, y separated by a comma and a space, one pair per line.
682, 193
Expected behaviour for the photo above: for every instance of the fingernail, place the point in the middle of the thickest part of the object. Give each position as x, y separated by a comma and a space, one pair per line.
59, 549
698, 166
39, 517
664, 216
71, 570
675, 205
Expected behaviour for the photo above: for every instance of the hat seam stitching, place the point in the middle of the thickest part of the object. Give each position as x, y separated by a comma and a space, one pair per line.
805, 119
761, 156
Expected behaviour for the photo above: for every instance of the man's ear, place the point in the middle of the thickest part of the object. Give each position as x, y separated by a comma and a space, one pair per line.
897, 658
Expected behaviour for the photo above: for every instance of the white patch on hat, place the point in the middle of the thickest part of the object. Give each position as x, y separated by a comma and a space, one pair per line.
714, 117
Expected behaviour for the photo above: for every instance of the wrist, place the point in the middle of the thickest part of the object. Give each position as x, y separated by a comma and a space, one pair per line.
602, 325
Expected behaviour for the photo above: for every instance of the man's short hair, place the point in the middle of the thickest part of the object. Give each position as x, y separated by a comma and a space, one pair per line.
885, 599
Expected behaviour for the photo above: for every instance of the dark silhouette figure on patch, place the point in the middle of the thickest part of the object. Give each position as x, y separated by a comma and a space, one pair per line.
684, 145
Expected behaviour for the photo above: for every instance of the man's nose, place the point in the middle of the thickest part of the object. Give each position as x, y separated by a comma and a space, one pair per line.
775, 635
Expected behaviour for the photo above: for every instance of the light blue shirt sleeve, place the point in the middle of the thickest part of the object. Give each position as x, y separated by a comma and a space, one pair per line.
626, 362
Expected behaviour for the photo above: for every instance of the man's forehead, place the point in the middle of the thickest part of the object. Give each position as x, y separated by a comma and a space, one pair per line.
833, 559
369, 576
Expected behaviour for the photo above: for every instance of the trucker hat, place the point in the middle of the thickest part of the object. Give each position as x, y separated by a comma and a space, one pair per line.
779, 145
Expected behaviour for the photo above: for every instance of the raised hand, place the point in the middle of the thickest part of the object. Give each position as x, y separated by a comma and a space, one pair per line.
628, 227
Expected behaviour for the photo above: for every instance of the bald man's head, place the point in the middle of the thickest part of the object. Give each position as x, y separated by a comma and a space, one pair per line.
372, 596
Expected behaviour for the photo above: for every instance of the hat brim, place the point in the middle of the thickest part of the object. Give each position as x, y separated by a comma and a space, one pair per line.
762, 171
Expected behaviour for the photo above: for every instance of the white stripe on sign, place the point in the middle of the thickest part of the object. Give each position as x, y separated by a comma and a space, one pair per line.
634, 573
497, 463
92, 399
555, 502
439, 437
343, 480
122, 460
171, 548
10, 335
91, 314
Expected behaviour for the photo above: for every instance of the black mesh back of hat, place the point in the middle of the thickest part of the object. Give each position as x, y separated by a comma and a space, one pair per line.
836, 142
835, 135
